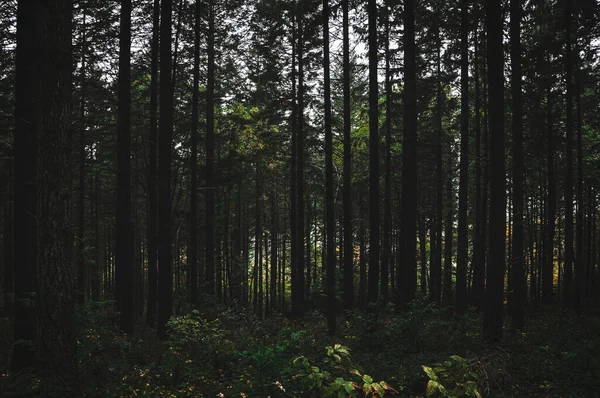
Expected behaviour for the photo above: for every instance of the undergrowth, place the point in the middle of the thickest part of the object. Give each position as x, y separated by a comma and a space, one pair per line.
424, 351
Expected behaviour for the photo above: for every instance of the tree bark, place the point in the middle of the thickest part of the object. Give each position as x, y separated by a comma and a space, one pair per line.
374, 214
124, 240
407, 275
492, 322
347, 193
165, 139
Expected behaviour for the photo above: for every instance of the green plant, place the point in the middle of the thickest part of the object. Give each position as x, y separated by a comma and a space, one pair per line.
452, 379
341, 378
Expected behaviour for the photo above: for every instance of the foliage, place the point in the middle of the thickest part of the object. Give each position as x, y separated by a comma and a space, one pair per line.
452, 378
331, 382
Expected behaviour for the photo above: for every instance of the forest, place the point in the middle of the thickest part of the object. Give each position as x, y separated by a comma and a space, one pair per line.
300, 198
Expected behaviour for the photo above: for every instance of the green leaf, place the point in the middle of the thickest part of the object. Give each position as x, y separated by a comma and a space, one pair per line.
379, 389
471, 388
348, 387
367, 379
430, 372
432, 387
448, 364
457, 358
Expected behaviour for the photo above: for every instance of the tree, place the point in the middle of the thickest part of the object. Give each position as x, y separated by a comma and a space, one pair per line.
347, 194
124, 224
517, 288
152, 172
165, 139
407, 274
193, 236
25, 185
492, 321
329, 204
374, 215
568, 185
209, 274
462, 244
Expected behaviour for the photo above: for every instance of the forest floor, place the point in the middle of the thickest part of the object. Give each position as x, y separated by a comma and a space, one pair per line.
427, 351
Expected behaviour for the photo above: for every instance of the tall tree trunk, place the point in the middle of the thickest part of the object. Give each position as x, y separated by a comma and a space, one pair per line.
463, 188
517, 274
165, 139
210, 155
81, 193
347, 194
492, 322
374, 214
300, 297
436, 265
193, 220
387, 193
124, 225
25, 179
568, 187
478, 262
579, 290
407, 285
329, 203
56, 268
294, 181
548, 264
152, 172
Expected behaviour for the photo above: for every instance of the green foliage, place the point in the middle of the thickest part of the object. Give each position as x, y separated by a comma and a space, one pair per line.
453, 378
340, 378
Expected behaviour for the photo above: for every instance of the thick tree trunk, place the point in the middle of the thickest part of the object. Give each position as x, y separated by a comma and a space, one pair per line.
492, 322
25, 144
407, 285
124, 240
56, 268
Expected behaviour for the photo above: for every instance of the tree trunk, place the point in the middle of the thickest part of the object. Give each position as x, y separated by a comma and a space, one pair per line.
568, 187
374, 214
347, 194
329, 202
25, 144
124, 225
81, 193
209, 276
463, 188
165, 139
492, 322
152, 172
407, 285
517, 274
56, 268
193, 234
300, 296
